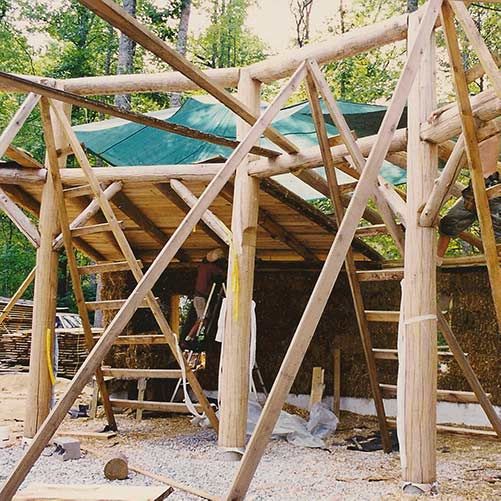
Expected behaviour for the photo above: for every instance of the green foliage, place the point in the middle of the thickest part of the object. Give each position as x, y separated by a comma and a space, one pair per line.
227, 42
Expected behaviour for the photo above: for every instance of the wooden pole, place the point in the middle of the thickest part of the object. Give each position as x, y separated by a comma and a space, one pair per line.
336, 372
417, 346
234, 389
333, 263
17, 295
174, 316
39, 395
474, 162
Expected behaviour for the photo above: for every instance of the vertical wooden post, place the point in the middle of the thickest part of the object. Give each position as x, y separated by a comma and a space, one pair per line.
336, 392
39, 395
234, 387
417, 380
317, 386
174, 319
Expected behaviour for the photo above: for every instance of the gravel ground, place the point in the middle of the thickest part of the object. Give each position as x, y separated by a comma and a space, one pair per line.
467, 468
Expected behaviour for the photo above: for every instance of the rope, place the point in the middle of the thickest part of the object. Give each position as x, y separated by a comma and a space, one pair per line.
49, 357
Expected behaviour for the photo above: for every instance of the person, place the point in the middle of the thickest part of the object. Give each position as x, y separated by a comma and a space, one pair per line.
463, 213
210, 271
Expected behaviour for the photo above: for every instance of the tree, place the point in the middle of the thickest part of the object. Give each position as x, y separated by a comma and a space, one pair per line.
227, 42
182, 41
126, 50
301, 10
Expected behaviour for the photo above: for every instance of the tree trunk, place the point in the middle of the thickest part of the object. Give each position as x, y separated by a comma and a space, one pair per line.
412, 5
182, 38
126, 50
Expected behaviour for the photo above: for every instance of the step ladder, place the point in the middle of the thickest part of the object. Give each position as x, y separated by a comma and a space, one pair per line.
129, 263
451, 351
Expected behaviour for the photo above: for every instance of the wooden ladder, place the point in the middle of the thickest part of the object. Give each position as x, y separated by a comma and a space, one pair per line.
54, 111
452, 350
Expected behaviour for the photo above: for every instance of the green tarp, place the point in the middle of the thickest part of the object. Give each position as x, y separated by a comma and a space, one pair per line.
123, 143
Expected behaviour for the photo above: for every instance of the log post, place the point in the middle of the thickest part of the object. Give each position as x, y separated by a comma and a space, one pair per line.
39, 396
234, 386
417, 351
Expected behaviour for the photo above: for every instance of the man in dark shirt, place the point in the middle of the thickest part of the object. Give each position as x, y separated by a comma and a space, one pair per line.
211, 270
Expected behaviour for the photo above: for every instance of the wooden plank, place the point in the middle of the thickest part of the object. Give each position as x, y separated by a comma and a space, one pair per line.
128, 25
209, 218
469, 374
371, 230
21, 221
378, 275
175, 407
478, 45
77, 191
122, 201
109, 304
493, 191
332, 266
349, 263
94, 435
382, 316
473, 155
336, 372
26, 85
77, 492
105, 267
142, 373
317, 386
53, 164
17, 121
391, 354
139, 339
464, 397
17, 295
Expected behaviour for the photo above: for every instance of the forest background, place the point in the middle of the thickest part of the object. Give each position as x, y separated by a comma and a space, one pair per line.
62, 39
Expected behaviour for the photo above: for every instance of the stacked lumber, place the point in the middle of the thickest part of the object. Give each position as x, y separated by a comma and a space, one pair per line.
19, 317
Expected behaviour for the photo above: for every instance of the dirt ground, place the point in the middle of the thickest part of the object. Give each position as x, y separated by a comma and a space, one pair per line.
468, 469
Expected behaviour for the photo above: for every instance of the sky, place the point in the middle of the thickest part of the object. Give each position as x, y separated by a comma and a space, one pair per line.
273, 22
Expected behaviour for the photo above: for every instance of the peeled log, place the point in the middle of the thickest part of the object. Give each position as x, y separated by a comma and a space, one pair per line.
117, 467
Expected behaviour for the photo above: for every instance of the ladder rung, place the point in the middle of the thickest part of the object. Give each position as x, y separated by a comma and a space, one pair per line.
178, 407
110, 304
391, 354
371, 230
141, 373
78, 191
94, 228
382, 316
377, 275
139, 339
465, 397
106, 267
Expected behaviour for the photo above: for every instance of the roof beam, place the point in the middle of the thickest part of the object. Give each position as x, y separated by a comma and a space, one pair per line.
128, 25
26, 85
274, 229
123, 202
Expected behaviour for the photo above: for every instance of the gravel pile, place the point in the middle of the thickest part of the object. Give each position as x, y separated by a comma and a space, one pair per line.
468, 469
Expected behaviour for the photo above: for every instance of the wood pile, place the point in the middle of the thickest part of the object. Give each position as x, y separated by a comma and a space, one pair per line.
15, 341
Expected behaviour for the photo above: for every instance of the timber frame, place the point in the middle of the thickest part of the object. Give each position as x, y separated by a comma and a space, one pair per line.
105, 213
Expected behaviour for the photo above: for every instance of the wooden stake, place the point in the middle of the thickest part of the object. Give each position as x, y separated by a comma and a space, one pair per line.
417, 342
235, 370
332, 266
336, 392
474, 162
317, 386
174, 314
